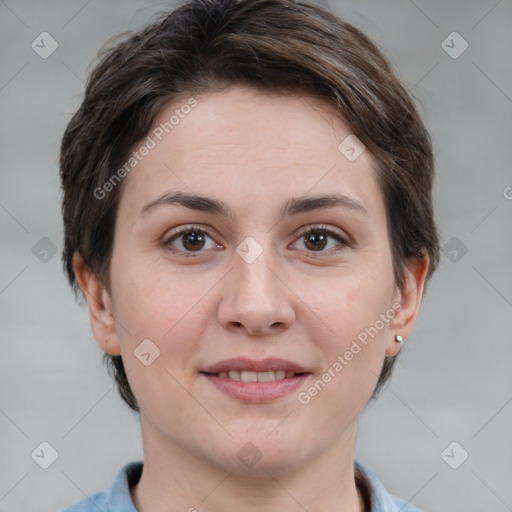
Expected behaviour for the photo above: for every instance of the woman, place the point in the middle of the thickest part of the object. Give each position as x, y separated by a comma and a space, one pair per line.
248, 213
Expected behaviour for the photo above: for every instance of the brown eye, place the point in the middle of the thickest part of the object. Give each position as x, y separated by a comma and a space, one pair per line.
316, 239
189, 240
193, 240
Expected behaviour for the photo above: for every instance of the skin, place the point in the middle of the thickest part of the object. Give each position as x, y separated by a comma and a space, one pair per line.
253, 151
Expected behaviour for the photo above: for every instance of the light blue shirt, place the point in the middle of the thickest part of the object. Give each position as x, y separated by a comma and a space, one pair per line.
118, 498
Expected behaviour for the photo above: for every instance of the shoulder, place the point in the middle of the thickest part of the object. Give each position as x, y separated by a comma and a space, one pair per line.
117, 498
404, 506
98, 501
381, 500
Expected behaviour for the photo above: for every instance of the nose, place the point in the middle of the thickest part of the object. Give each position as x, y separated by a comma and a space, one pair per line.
255, 297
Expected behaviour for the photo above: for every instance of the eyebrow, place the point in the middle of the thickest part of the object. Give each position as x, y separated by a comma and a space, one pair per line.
293, 206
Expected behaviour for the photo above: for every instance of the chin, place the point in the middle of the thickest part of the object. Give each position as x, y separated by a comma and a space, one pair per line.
260, 459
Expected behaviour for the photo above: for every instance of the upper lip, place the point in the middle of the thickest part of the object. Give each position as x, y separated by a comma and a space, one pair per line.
253, 365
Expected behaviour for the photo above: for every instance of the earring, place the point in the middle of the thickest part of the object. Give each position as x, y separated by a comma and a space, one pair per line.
399, 339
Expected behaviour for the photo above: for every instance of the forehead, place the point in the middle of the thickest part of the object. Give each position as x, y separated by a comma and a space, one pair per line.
251, 149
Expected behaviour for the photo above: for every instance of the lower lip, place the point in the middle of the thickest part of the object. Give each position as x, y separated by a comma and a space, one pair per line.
257, 392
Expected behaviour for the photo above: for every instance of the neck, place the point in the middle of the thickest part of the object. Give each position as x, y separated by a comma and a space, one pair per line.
173, 479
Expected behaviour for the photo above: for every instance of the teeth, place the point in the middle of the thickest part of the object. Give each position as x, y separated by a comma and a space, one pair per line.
247, 376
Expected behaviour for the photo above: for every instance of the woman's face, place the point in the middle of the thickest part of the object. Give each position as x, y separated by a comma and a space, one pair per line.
245, 280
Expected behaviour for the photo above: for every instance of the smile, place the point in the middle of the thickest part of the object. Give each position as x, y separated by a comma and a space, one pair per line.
254, 380
250, 376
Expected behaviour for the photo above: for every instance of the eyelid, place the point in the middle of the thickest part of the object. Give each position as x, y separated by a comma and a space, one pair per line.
187, 228
322, 227
344, 241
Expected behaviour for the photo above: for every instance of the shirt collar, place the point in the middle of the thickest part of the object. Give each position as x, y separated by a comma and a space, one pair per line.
120, 499
380, 499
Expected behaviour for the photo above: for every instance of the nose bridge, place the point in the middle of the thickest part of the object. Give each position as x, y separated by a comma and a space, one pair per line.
255, 297
253, 263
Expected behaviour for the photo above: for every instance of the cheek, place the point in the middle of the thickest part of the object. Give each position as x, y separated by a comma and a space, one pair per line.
354, 304
352, 363
151, 298
166, 312
355, 345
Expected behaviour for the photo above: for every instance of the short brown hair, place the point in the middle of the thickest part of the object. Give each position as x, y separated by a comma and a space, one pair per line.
273, 45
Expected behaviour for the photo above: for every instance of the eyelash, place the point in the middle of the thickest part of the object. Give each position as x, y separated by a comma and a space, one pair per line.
308, 230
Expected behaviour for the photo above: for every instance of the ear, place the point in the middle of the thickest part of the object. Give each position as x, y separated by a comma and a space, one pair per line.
409, 300
99, 304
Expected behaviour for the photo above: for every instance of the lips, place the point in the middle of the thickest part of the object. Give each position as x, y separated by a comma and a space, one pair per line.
248, 376
256, 382
242, 364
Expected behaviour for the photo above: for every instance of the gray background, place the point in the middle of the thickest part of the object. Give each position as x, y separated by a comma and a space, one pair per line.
453, 381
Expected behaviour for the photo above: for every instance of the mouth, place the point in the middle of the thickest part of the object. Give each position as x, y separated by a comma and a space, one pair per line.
254, 381
272, 367
250, 376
